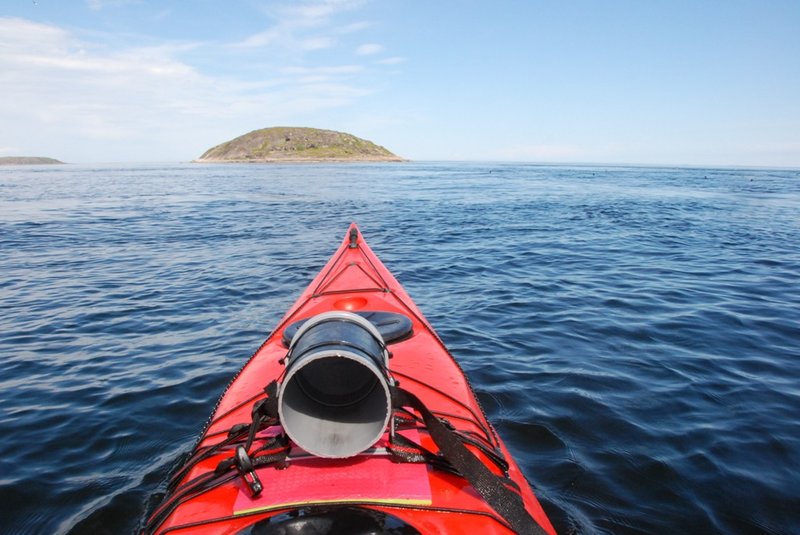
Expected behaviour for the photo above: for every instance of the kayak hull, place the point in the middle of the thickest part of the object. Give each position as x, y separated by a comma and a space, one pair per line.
425, 498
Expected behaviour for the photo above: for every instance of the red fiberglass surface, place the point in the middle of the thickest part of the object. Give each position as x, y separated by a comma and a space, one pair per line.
430, 500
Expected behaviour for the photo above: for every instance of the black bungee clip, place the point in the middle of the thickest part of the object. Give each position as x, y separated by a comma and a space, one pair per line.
245, 467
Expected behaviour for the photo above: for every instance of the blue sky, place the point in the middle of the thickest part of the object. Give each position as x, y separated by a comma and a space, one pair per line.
673, 83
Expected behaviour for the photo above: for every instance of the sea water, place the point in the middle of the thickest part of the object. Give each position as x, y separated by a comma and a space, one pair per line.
633, 333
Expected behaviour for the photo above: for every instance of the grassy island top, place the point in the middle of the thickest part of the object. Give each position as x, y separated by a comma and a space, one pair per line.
296, 144
27, 160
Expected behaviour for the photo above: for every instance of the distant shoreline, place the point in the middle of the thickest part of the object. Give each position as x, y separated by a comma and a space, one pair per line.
29, 160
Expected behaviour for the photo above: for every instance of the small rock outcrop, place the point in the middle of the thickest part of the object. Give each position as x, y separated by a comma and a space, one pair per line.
294, 144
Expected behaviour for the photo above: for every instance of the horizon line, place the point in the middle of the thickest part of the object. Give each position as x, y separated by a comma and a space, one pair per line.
413, 161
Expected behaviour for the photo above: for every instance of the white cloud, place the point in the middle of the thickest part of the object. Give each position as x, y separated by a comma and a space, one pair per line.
317, 11
257, 40
369, 49
78, 100
353, 27
328, 70
391, 61
304, 25
96, 5
316, 43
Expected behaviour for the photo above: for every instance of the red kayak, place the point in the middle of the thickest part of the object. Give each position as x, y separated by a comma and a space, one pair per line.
352, 417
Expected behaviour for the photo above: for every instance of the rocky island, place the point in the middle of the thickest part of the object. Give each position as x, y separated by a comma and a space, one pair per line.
27, 160
294, 144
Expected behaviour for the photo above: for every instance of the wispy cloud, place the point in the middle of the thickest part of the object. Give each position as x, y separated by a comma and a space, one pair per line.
316, 43
96, 5
369, 49
394, 60
353, 27
319, 10
66, 95
304, 25
326, 70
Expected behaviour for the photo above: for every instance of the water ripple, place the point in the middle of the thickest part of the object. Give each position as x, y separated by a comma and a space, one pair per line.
632, 333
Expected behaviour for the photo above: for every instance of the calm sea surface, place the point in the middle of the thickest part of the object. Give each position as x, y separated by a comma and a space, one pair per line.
634, 333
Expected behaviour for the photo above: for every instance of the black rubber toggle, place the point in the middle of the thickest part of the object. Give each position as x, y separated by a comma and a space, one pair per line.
245, 467
237, 429
353, 238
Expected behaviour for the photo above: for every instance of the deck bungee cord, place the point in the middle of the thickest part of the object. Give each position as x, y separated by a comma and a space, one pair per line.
335, 422
453, 457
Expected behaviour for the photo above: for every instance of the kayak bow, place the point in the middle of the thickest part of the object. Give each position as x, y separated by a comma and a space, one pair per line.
352, 417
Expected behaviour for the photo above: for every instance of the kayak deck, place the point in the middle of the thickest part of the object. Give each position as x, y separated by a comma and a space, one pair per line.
428, 499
